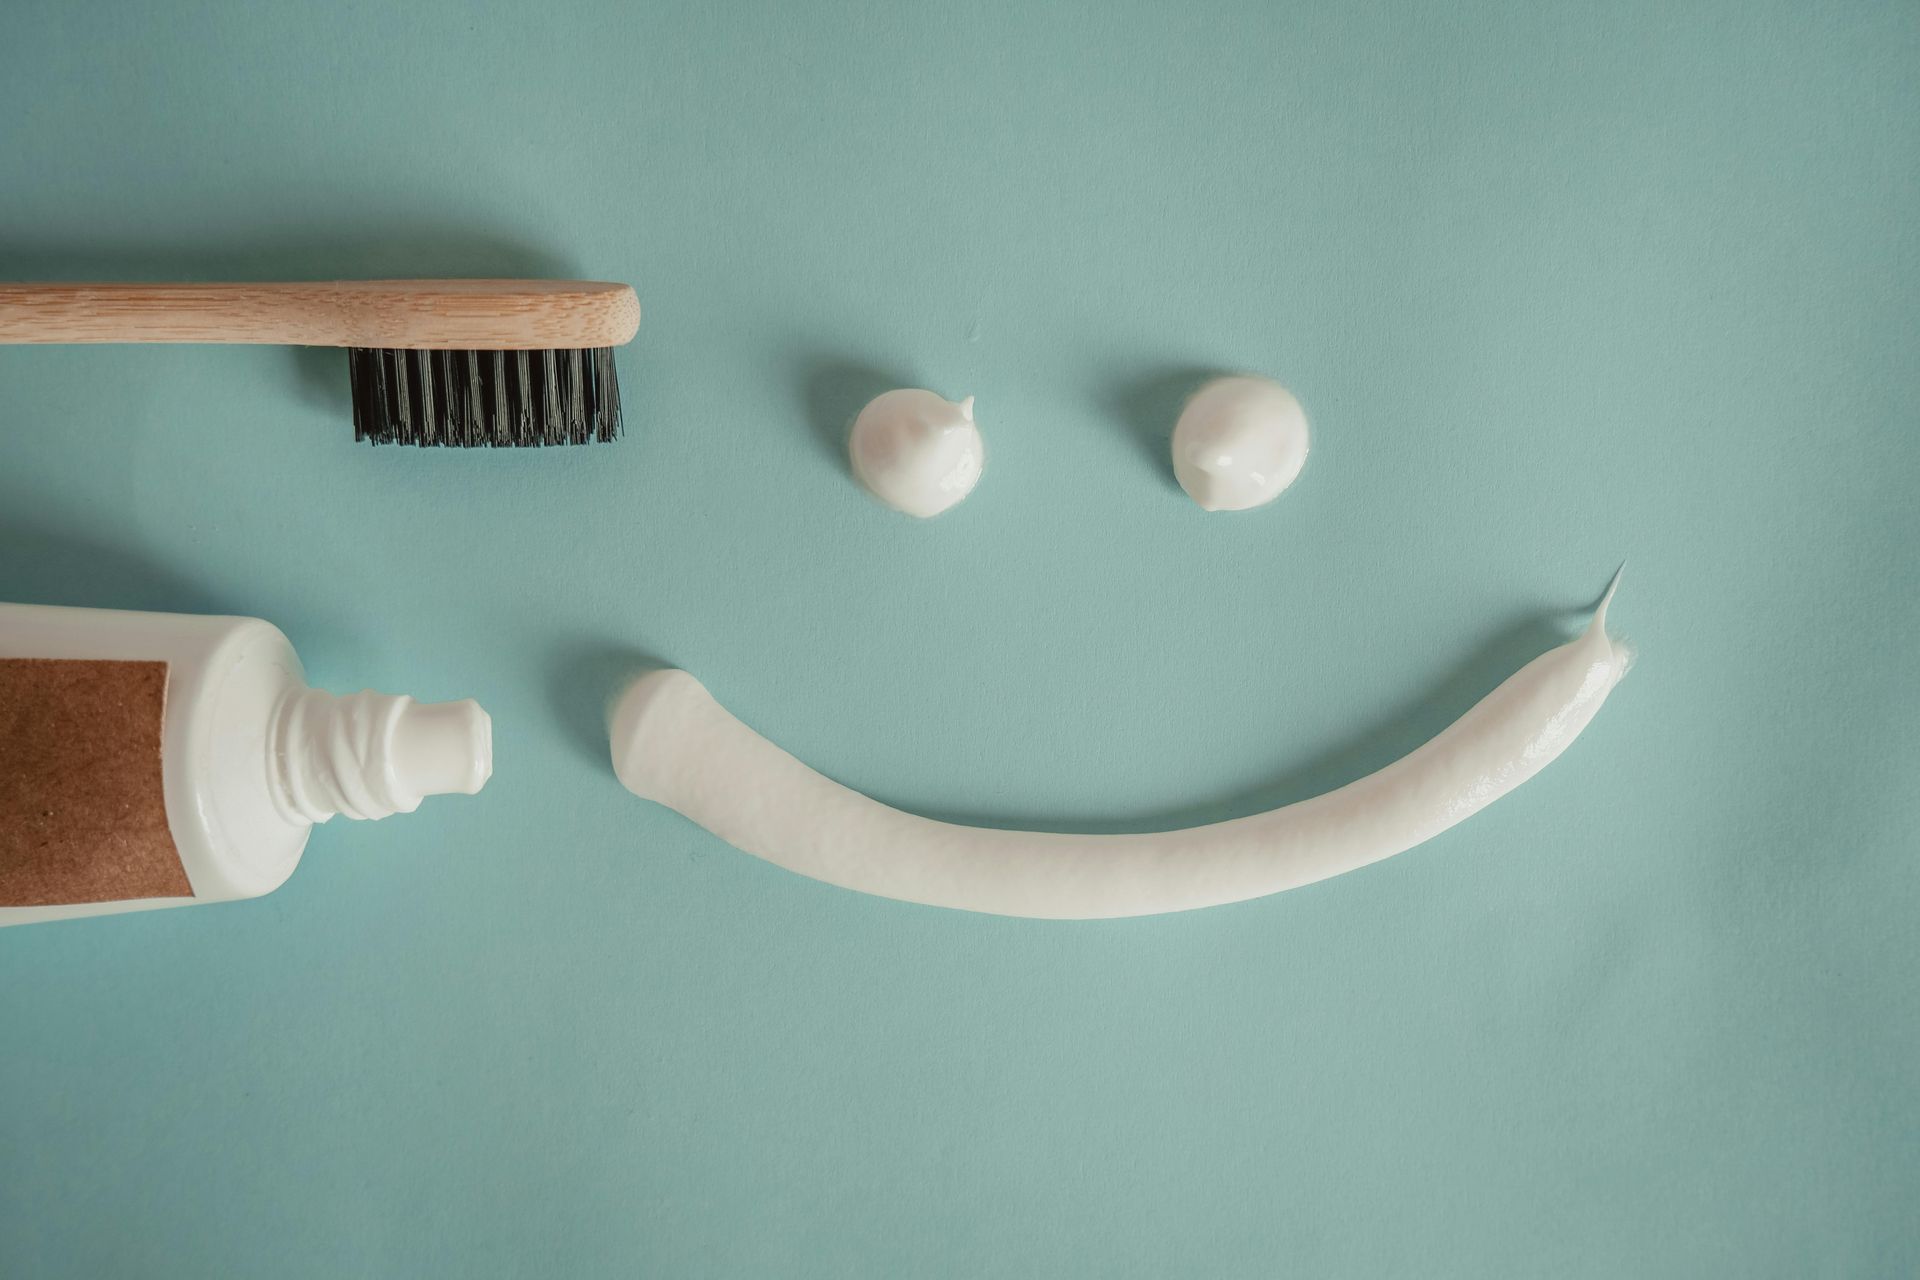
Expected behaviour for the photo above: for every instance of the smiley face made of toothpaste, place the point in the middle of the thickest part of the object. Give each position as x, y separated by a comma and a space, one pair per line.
675, 745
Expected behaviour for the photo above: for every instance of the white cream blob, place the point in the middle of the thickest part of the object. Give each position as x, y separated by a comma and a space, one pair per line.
1239, 443
672, 743
917, 452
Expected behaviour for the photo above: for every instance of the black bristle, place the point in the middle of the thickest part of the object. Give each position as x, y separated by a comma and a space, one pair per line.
467, 399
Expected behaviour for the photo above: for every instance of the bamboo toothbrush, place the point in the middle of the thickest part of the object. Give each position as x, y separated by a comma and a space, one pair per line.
461, 363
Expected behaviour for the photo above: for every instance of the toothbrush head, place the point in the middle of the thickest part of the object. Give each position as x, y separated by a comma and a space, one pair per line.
469, 399
486, 363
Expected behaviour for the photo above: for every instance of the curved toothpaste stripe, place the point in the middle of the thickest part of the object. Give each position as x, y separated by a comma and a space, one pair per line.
672, 743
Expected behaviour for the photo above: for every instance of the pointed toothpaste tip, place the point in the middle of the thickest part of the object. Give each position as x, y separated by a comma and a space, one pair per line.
966, 408
1606, 598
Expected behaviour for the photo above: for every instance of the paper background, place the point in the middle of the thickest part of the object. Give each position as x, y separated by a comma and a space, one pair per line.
1559, 285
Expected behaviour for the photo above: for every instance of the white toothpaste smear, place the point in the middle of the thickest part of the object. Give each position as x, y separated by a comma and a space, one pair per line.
673, 744
1239, 443
916, 451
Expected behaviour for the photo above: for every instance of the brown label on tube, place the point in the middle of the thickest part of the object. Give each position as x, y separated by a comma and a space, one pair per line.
83, 816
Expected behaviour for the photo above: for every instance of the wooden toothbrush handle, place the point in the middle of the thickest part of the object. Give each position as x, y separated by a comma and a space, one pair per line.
480, 315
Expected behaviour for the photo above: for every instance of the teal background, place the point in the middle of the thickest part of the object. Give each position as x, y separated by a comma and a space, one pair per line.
1560, 285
